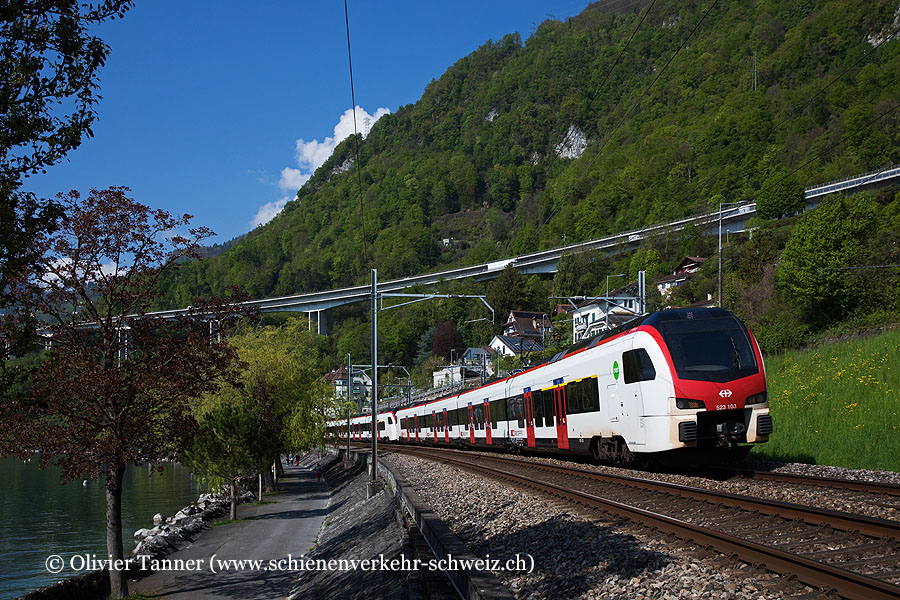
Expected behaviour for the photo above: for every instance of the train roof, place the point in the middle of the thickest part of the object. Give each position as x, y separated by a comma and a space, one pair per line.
653, 319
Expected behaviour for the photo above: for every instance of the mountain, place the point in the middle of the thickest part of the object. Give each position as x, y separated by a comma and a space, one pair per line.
604, 122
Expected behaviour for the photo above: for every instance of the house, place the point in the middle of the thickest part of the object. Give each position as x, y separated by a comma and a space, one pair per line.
599, 314
686, 270
505, 345
563, 309
479, 360
455, 375
362, 383
524, 324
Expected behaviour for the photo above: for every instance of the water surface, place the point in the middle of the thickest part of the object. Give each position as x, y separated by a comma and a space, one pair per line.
39, 516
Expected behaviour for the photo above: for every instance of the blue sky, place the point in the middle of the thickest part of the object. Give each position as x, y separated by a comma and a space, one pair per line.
217, 108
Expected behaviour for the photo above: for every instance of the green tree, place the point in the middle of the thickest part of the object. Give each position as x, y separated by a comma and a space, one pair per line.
505, 293
231, 442
781, 194
279, 392
51, 60
816, 269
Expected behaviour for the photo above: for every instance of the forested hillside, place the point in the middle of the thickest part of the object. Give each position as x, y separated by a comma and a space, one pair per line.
487, 155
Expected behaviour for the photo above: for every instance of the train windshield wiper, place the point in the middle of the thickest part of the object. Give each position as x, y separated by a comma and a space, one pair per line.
735, 355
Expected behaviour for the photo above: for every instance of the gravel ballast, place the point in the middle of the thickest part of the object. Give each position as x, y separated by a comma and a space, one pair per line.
577, 554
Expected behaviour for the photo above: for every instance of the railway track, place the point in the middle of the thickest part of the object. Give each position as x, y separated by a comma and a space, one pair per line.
848, 485
851, 555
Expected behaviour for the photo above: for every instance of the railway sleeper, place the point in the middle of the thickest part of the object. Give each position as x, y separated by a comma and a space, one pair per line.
816, 555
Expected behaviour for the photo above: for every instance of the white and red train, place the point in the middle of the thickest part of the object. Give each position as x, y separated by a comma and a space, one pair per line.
677, 384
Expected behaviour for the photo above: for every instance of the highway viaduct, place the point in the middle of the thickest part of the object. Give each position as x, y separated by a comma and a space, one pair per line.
320, 305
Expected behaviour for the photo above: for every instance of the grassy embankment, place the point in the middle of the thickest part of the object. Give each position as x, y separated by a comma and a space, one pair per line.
837, 405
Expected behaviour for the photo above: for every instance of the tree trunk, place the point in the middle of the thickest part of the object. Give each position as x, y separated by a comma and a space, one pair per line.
280, 467
233, 513
270, 482
118, 584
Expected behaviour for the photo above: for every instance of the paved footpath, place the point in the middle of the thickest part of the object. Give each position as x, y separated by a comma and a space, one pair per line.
271, 531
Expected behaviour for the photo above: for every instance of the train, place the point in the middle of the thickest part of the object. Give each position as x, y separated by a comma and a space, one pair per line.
683, 385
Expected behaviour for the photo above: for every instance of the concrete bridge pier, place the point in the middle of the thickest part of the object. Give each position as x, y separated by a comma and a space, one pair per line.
324, 320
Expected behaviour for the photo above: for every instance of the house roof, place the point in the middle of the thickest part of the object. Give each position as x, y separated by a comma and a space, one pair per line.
689, 261
340, 374
520, 345
527, 323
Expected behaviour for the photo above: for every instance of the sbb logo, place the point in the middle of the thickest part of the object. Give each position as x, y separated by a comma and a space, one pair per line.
725, 393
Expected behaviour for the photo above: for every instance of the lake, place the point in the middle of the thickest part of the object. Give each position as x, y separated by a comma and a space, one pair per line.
39, 516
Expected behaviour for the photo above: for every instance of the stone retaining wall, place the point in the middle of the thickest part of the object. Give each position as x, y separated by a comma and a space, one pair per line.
471, 584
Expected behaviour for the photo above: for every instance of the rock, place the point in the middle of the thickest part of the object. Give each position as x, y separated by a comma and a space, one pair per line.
157, 518
140, 534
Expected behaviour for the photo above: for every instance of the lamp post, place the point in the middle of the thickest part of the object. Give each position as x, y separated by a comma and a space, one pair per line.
722, 204
374, 484
608, 277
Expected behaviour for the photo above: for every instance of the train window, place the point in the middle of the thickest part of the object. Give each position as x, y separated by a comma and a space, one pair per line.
717, 349
549, 408
517, 410
573, 398
591, 395
380, 425
498, 410
537, 404
637, 366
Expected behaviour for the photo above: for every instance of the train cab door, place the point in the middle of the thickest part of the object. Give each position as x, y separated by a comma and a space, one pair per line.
471, 424
487, 421
416, 426
529, 418
562, 420
446, 428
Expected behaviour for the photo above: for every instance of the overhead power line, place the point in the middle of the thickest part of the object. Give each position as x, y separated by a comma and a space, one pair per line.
362, 219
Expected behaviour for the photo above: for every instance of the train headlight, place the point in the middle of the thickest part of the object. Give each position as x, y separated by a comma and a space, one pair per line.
760, 398
685, 403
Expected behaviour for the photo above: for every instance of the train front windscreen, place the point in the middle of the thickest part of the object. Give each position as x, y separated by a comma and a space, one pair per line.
712, 349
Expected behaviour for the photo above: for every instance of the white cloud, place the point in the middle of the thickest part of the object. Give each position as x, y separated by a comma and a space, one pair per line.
292, 179
268, 211
311, 155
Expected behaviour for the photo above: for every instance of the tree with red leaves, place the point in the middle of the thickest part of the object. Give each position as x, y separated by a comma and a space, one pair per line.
447, 338
117, 384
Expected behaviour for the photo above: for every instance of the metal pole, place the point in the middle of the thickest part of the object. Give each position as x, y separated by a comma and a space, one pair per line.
720, 255
349, 392
374, 380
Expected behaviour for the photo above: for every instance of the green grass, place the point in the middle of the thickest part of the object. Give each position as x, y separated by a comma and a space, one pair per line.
261, 502
226, 522
837, 405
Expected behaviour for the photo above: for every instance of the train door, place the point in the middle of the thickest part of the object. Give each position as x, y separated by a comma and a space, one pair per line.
487, 421
446, 428
471, 423
529, 418
562, 421
416, 426
613, 406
